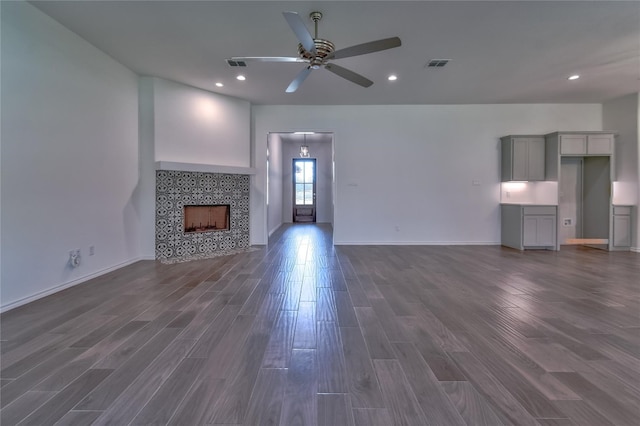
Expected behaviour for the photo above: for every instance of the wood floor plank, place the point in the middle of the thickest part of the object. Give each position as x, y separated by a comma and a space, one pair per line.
371, 417
78, 418
300, 405
304, 336
123, 352
363, 385
71, 370
438, 360
233, 402
470, 404
425, 385
108, 391
278, 350
332, 375
609, 406
215, 332
399, 398
507, 407
26, 404
346, 314
534, 400
197, 406
392, 327
166, 400
374, 335
55, 408
265, 403
326, 305
131, 400
30, 379
582, 413
334, 409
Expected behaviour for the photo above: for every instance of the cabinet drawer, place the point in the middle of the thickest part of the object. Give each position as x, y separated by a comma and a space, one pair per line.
539, 210
622, 210
600, 145
573, 144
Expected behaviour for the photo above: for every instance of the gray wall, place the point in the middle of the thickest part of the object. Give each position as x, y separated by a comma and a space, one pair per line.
70, 160
405, 173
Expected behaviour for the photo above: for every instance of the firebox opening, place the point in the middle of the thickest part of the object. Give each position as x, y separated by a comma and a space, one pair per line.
206, 218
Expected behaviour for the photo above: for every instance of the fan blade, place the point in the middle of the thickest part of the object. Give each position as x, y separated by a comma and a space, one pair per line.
301, 31
293, 86
266, 59
349, 75
364, 48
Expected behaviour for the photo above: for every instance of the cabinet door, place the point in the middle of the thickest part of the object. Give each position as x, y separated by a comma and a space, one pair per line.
600, 144
536, 159
529, 231
520, 159
539, 231
573, 144
546, 231
622, 231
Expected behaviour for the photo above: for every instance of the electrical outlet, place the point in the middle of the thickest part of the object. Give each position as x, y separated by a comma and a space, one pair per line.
92, 250
74, 258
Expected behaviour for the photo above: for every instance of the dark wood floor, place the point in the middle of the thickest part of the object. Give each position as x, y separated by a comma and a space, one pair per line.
305, 333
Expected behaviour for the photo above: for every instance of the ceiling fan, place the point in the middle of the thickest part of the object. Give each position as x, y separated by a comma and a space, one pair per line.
317, 52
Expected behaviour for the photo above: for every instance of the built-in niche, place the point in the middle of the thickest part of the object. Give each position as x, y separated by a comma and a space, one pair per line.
200, 215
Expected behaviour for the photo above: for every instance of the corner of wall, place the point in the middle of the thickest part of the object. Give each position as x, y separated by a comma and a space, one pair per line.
145, 191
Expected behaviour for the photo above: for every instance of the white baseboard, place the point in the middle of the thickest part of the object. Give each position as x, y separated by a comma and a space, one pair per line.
635, 249
52, 290
416, 243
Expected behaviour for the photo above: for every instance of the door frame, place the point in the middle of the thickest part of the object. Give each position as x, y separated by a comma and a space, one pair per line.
293, 189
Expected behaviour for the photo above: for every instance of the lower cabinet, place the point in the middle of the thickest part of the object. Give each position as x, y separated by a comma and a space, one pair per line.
621, 232
529, 227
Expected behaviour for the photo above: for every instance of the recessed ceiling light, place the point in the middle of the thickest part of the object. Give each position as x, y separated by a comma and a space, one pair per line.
392, 77
219, 84
573, 77
241, 77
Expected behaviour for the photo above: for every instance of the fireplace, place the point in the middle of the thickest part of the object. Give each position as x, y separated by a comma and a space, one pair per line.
206, 218
200, 214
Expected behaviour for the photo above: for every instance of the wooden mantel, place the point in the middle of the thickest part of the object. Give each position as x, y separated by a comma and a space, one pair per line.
205, 168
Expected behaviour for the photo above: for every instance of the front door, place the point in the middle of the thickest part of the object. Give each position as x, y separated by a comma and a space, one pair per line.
304, 189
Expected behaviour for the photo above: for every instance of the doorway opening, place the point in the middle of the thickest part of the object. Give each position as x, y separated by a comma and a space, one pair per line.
584, 202
305, 195
304, 189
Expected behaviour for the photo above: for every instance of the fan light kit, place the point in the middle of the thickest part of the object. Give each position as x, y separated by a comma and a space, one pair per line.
317, 52
573, 77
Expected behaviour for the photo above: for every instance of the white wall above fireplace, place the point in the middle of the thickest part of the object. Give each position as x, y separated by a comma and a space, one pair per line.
196, 126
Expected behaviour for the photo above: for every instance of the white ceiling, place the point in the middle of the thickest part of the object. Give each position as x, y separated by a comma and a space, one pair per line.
501, 52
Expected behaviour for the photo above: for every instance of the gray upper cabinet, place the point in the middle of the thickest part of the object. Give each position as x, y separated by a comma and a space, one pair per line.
586, 144
523, 158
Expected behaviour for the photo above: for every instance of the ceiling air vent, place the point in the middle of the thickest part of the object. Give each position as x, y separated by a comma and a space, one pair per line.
437, 63
233, 63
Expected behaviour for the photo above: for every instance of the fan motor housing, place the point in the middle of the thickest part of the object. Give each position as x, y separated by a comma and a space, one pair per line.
323, 49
